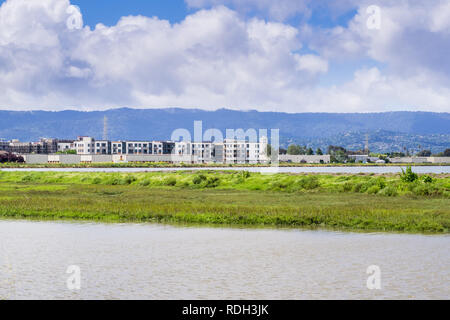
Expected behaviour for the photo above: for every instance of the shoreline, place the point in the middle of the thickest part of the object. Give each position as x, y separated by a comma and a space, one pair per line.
251, 227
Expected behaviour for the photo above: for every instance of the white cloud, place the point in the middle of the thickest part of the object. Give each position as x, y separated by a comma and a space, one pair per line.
217, 58
312, 64
278, 10
211, 59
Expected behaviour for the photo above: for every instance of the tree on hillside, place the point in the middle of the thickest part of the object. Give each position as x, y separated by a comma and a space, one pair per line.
319, 152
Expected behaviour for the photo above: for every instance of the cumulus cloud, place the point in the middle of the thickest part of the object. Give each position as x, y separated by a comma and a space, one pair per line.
211, 59
218, 58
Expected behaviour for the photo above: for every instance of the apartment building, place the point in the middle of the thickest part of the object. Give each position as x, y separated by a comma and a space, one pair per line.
44, 146
228, 151
204, 152
85, 145
163, 147
118, 147
138, 147
102, 147
4, 145
66, 145
243, 151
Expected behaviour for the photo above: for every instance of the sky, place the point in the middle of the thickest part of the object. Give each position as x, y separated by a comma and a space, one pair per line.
287, 55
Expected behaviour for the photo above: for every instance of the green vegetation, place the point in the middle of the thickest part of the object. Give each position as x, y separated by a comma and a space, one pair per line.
354, 202
67, 152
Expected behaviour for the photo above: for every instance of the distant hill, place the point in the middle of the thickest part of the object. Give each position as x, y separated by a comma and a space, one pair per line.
387, 131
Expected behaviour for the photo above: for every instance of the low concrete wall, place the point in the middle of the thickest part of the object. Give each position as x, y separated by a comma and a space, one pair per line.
172, 158
35, 158
439, 159
304, 158
75, 159
421, 160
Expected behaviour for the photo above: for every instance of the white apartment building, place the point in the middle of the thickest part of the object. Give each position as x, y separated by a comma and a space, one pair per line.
139, 147
242, 151
66, 146
85, 145
229, 151
163, 147
102, 147
157, 147
203, 151
118, 147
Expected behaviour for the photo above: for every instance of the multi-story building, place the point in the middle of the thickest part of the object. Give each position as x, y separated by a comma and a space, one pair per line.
4, 145
229, 151
102, 147
203, 151
44, 146
118, 147
85, 145
66, 145
138, 147
242, 151
163, 147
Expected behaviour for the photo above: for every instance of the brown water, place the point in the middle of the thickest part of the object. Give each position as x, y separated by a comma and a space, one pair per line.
146, 261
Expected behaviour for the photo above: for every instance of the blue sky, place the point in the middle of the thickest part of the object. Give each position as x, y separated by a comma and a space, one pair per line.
109, 12
285, 55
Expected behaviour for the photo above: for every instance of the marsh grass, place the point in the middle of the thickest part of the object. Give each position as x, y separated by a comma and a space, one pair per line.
355, 202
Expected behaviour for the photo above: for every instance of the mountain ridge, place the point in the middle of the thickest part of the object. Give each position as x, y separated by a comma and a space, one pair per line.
314, 129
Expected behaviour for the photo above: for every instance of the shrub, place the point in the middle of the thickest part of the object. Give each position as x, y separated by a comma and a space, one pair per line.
128, 180
212, 182
172, 181
308, 182
373, 189
9, 157
408, 175
381, 182
27, 178
427, 179
389, 191
245, 174
144, 183
347, 187
361, 187
199, 179
426, 190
